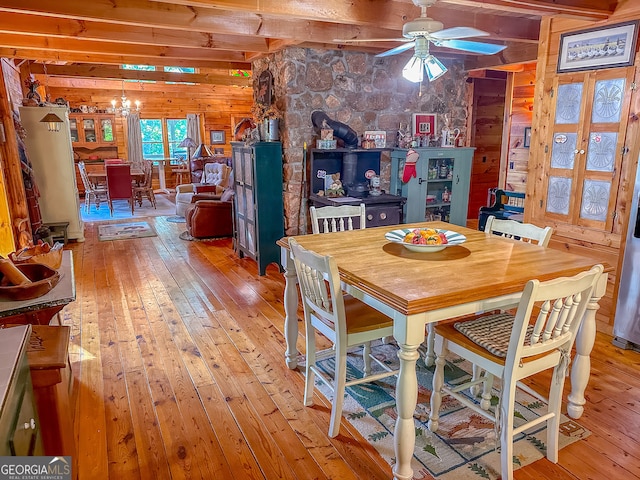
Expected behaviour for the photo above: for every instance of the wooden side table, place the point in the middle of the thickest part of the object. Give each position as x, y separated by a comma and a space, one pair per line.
53, 388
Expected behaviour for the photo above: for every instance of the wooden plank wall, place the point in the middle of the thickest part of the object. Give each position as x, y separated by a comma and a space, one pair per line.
520, 116
486, 136
609, 247
217, 104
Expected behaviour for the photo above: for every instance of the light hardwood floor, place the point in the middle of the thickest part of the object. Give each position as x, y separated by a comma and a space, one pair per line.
178, 351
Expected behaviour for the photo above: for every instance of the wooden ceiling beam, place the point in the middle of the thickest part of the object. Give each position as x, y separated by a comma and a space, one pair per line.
200, 19
39, 55
583, 9
118, 49
36, 25
367, 12
95, 71
111, 88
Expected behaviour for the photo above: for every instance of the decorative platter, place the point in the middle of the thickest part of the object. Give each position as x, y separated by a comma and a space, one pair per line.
398, 236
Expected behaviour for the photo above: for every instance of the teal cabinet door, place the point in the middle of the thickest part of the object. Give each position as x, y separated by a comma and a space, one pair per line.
440, 189
258, 201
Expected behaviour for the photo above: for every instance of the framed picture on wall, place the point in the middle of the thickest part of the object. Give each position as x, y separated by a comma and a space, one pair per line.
595, 48
423, 124
217, 137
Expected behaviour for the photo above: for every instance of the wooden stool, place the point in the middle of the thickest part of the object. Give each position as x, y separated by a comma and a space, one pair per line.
58, 231
53, 389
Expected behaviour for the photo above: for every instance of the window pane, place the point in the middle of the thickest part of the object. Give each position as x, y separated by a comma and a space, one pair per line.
176, 132
152, 144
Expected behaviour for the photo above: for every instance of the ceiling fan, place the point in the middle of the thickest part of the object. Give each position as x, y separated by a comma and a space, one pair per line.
421, 31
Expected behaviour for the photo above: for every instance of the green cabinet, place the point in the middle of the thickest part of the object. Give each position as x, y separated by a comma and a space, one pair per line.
258, 201
19, 426
440, 189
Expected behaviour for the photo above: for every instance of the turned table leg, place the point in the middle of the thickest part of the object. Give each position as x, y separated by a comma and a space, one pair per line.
585, 338
290, 309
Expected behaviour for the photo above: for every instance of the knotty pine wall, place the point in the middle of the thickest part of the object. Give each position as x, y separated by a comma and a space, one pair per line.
522, 92
602, 247
486, 136
218, 105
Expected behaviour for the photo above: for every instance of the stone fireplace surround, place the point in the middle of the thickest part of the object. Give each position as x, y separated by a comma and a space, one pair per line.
358, 89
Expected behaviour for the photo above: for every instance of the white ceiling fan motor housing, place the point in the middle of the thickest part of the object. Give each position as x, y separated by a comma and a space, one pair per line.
421, 27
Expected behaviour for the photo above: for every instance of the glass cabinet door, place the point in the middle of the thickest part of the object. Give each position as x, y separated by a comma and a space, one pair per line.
586, 147
73, 128
89, 128
106, 130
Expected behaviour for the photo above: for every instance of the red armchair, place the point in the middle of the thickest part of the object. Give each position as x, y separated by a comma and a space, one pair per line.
210, 218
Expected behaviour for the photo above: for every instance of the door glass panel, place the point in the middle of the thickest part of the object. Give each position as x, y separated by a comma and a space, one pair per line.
107, 130
73, 127
563, 150
602, 150
607, 101
595, 200
559, 195
89, 128
568, 105
246, 168
248, 203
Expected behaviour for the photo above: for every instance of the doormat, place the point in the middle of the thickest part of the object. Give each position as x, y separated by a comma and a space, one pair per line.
465, 446
122, 231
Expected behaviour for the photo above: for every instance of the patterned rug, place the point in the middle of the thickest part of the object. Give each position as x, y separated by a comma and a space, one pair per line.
464, 448
122, 231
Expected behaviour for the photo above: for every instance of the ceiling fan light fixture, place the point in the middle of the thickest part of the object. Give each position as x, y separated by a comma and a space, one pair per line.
414, 70
435, 68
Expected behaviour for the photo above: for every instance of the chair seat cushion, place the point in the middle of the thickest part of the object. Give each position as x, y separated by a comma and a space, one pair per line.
491, 332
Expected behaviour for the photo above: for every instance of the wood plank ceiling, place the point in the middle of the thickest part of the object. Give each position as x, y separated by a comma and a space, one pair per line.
89, 39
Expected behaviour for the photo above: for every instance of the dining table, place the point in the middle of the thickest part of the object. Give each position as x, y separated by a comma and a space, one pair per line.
100, 176
418, 289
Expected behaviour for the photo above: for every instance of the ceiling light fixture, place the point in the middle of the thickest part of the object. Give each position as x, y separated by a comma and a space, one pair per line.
125, 108
422, 60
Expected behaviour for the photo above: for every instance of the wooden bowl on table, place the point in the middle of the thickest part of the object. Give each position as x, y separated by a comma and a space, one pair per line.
43, 279
49, 256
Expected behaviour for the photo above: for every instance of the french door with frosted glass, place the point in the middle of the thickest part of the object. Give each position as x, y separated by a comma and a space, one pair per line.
585, 148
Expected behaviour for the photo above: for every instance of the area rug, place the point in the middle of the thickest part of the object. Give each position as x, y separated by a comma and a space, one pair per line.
165, 206
465, 446
121, 231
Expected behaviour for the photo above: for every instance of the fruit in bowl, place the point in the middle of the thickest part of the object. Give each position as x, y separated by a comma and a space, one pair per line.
426, 236
426, 240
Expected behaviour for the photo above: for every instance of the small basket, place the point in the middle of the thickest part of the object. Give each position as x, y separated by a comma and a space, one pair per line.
36, 254
43, 279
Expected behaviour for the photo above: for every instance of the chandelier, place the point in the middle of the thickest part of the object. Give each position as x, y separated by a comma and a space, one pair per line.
125, 108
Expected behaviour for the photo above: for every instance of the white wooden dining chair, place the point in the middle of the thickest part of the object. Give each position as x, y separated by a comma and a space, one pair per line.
525, 232
336, 219
344, 320
512, 347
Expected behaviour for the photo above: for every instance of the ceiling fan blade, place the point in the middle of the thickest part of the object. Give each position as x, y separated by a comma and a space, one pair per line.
398, 49
363, 40
475, 47
458, 32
